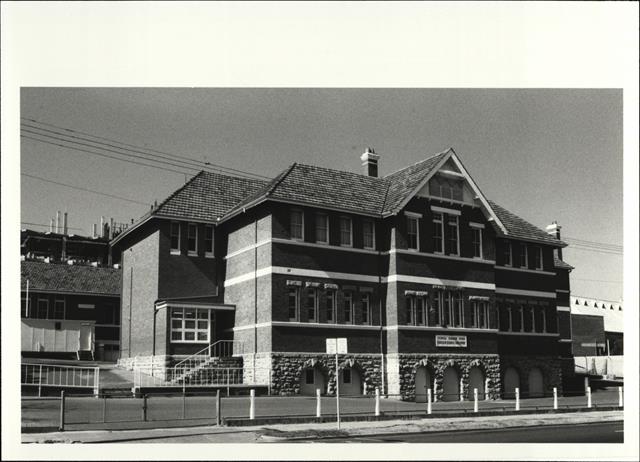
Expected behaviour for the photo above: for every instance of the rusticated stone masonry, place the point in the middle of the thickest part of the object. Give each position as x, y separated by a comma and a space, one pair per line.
436, 364
288, 369
550, 367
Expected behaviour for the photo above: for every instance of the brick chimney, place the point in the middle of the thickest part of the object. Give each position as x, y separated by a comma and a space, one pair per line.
370, 162
554, 230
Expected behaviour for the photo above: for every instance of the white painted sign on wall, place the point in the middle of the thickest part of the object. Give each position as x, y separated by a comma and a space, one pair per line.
336, 345
455, 341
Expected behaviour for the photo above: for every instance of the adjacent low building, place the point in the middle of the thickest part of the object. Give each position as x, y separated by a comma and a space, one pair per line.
433, 285
70, 311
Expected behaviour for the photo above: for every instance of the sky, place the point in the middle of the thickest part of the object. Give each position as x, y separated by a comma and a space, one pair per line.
546, 155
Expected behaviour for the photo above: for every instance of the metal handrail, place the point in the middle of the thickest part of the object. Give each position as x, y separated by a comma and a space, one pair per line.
200, 356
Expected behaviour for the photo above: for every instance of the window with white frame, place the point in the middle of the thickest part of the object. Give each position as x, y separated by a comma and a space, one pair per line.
453, 238
189, 325
348, 307
508, 254
524, 256
416, 307
366, 308
322, 228
175, 237
368, 234
59, 308
330, 306
532, 313
476, 241
480, 314
438, 233
521, 312
412, 232
312, 305
537, 257
293, 302
208, 241
449, 307
296, 228
346, 232
192, 239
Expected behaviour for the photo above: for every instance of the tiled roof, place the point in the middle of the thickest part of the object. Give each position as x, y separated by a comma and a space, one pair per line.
405, 181
207, 196
61, 277
559, 263
518, 228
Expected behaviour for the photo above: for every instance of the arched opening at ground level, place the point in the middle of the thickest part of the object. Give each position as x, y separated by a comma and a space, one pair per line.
510, 383
423, 381
350, 382
312, 379
536, 383
476, 380
450, 385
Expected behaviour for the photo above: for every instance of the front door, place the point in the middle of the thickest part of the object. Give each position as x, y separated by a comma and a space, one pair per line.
85, 337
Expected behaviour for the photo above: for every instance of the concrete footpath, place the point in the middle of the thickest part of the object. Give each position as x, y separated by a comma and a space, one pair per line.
283, 433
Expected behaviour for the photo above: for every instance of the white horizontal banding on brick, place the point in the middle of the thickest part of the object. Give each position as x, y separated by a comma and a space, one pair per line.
563, 308
530, 293
440, 329
413, 214
476, 225
443, 282
435, 208
563, 291
307, 325
525, 270
277, 240
537, 334
248, 276
246, 249
565, 340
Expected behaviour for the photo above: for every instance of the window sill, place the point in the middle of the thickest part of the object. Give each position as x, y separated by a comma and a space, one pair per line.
175, 252
347, 245
192, 254
189, 341
209, 255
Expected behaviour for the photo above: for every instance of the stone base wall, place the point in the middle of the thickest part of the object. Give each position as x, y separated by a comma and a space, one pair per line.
403, 378
260, 373
287, 370
150, 365
551, 368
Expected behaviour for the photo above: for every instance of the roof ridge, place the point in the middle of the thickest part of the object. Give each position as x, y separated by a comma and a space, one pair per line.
418, 162
340, 171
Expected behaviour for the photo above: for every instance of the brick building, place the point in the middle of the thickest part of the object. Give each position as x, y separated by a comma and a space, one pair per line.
433, 285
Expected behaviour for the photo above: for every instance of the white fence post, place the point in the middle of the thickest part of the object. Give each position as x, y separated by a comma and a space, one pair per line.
429, 401
555, 398
435, 391
486, 389
377, 411
588, 397
318, 403
461, 390
620, 396
475, 400
96, 383
517, 399
40, 382
252, 407
586, 382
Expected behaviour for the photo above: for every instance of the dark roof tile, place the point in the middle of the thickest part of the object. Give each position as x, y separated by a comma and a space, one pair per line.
61, 277
517, 228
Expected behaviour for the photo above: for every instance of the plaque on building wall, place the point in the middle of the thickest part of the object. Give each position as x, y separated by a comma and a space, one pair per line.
455, 341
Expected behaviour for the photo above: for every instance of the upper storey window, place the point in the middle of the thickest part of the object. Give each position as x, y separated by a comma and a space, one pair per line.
208, 241
438, 233
346, 232
296, 224
175, 238
524, 256
368, 234
192, 239
508, 255
537, 257
453, 240
447, 188
412, 232
476, 241
322, 228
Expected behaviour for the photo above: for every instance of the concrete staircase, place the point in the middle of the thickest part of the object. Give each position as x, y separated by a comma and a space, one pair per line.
213, 371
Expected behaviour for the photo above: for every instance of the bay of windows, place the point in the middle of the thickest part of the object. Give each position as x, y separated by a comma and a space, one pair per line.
189, 325
480, 314
448, 305
416, 310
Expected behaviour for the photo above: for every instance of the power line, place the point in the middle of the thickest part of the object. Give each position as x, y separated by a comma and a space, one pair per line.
594, 244
46, 226
588, 249
103, 155
84, 189
596, 280
171, 156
